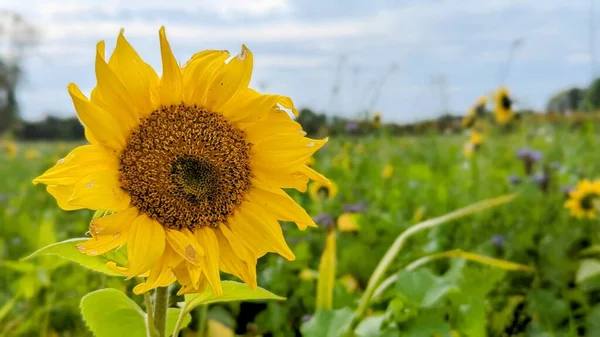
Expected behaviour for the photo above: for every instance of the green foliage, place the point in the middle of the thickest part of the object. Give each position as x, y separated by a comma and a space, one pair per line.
591, 100
232, 292
67, 249
328, 323
109, 313
41, 295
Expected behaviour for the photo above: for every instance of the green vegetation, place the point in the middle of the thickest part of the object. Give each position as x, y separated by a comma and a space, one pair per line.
453, 293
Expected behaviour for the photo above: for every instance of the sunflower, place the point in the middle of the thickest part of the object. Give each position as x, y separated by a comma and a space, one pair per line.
503, 106
584, 200
476, 138
190, 165
377, 119
319, 190
469, 120
387, 171
9, 148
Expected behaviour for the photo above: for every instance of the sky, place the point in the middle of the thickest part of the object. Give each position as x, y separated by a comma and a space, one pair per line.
409, 59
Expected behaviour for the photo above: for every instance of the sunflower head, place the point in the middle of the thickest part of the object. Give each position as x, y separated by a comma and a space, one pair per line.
503, 106
32, 154
191, 166
584, 200
377, 119
469, 120
476, 138
9, 148
387, 172
322, 191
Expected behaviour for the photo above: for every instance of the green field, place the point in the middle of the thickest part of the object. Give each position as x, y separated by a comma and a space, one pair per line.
431, 177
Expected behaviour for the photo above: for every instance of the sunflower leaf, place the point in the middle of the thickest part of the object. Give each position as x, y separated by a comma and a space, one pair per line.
232, 291
173, 315
67, 249
109, 312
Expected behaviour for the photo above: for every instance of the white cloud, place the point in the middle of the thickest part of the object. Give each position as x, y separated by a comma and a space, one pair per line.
578, 58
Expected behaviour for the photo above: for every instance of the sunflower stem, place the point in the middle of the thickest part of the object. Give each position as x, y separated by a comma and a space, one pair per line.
202, 317
150, 328
161, 302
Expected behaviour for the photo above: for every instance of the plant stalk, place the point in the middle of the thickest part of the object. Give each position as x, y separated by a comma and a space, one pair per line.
393, 251
161, 302
202, 318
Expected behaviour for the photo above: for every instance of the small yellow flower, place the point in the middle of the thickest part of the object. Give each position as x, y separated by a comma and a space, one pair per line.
319, 190
469, 120
348, 222
377, 119
387, 172
350, 283
10, 148
476, 137
503, 106
308, 274
191, 165
468, 149
32, 154
584, 200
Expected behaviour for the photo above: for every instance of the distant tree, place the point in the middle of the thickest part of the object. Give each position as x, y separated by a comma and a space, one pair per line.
16, 37
591, 100
566, 100
311, 122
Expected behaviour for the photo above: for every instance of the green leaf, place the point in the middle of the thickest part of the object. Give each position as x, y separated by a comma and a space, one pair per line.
232, 291
415, 284
67, 249
109, 313
328, 323
472, 320
427, 324
593, 322
373, 326
588, 268
422, 287
173, 315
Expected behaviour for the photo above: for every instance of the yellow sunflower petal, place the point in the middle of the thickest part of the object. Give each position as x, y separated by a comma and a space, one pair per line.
210, 264
314, 175
284, 151
62, 194
100, 191
145, 245
199, 72
250, 107
114, 223
161, 274
80, 162
101, 244
234, 77
105, 128
239, 261
140, 80
171, 81
185, 244
273, 123
260, 231
114, 95
282, 206
297, 181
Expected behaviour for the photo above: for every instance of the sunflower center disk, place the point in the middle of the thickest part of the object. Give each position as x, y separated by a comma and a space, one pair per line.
186, 167
506, 102
587, 202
